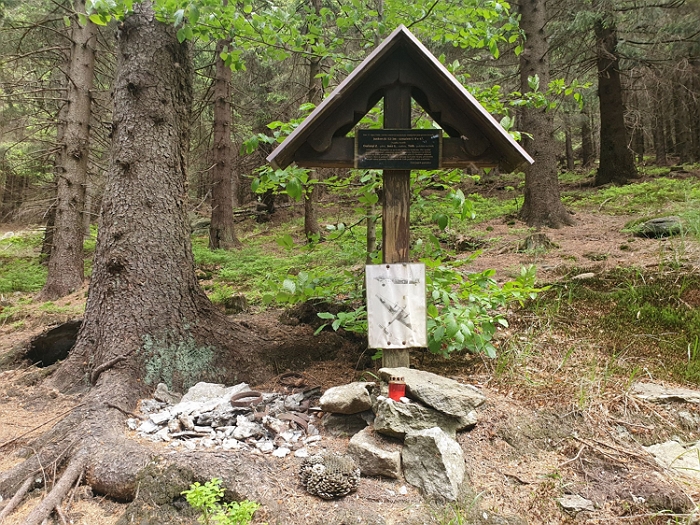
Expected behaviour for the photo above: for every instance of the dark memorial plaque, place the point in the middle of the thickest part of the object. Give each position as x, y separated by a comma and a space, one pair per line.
398, 149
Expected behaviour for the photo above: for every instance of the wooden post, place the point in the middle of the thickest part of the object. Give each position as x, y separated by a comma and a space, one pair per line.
396, 214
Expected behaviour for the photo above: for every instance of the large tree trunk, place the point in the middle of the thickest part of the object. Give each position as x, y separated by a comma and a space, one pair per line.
587, 143
66, 269
146, 319
658, 125
680, 122
314, 95
145, 305
222, 232
13, 192
542, 205
616, 158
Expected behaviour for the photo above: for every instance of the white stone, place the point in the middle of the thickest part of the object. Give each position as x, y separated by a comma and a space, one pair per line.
133, 423
281, 452
208, 443
684, 460
163, 434
231, 444
312, 439
190, 445
575, 503
148, 427
161, 417
661, 393
265, 446
301, 453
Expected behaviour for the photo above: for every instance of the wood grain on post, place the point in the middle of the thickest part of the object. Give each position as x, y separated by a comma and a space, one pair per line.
396, 210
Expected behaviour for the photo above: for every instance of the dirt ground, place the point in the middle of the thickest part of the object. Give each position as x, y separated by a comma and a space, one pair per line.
536, 439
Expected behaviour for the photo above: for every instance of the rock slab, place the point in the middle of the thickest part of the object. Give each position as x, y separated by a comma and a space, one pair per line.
398, 419
347, 399
442, 394
684, 460
374, 457
433, 462
660, 393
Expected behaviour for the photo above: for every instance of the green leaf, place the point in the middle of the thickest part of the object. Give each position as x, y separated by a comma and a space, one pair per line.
66, 21
99, 19
289, 286
294, 188
439, 333
326, 315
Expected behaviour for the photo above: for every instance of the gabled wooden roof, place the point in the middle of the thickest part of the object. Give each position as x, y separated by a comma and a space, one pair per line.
476, 138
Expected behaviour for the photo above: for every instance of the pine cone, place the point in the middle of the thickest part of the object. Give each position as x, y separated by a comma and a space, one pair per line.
329, 475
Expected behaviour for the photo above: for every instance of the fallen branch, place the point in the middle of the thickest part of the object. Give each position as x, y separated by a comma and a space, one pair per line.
16, 499
53, 499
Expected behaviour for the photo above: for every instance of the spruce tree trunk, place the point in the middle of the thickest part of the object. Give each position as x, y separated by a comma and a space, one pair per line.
222, 232
616, 158
145, 308
314, 95
658, 131
680, 123
542, 205
587, 144
568, 145
66, 268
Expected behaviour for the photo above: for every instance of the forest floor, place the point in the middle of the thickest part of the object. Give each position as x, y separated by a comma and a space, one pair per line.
560, 416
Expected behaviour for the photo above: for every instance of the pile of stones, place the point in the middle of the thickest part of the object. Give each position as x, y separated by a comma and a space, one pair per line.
230, 418
413, 437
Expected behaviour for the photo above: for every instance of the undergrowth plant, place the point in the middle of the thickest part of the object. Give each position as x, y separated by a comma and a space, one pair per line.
207, 500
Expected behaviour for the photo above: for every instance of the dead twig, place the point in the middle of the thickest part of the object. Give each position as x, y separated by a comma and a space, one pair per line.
17, 498
575, 458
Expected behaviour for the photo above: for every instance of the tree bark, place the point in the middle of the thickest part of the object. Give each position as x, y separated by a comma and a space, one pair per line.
680, 123
13, 192
658, 131
222, 232
587, 143
542, 205
568, 145
144, 301
616, 158
314, 95
66, 268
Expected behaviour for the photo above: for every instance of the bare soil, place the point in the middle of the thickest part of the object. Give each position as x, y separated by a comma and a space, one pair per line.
556, 421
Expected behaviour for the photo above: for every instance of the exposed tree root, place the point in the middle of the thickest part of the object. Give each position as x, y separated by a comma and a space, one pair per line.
60, 490
16, 499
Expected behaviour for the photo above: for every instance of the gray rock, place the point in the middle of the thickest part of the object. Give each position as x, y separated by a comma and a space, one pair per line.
174, 425
347, 399
433, 462
245, 429
398, 419
204, 392
684, 460
341, 425
374, 457
661, 227
575, 503
165, 396
661, 393
161, 417
443, 394
148, 427
186, 421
